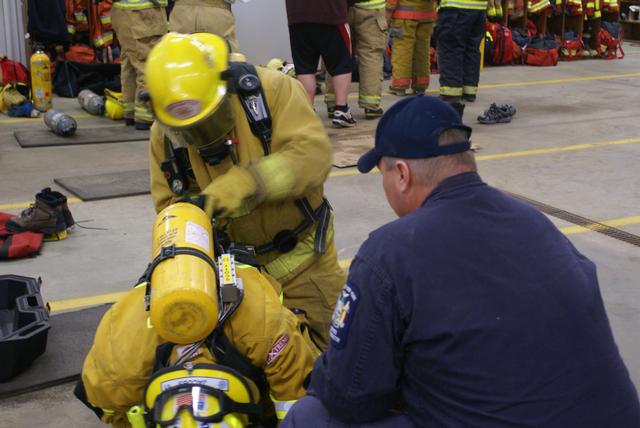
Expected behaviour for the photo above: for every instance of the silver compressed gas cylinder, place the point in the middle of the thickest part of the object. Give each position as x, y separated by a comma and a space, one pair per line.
91, 102
60, 123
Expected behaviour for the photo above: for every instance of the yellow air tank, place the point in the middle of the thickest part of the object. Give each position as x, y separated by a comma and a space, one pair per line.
183, 305
41, 80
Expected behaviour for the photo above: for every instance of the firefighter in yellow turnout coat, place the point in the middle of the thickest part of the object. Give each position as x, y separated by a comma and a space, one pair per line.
411, 27
123, 354
274, 203
204, 16
139, 24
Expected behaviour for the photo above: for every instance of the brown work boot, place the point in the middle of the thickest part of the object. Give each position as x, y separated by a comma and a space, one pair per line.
58, 199
42, 217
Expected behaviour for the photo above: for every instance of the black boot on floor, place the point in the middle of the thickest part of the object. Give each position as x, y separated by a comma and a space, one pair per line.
459, 108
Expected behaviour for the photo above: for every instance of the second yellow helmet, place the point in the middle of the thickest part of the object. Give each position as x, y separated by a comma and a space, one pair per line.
184, 77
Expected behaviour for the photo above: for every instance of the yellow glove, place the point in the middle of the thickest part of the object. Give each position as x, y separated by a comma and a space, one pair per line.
228, 194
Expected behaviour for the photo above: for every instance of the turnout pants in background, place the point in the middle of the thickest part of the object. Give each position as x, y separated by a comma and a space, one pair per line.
369, 32
459, 34
410, 57
138, 30
205, 16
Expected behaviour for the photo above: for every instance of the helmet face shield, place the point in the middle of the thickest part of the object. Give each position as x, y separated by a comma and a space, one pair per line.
210, 129
200, 403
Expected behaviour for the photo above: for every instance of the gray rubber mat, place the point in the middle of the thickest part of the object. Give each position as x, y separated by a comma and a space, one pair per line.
68, 342
96, 135
105, 186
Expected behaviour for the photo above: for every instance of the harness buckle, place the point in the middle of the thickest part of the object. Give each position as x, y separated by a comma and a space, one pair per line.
285, 241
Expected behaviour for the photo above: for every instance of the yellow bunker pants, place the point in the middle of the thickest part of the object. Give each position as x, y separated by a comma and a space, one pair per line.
313, 287
370, 34
208, 16
138, 31
410, 57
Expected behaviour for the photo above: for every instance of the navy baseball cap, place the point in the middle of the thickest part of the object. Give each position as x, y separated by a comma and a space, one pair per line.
410, 130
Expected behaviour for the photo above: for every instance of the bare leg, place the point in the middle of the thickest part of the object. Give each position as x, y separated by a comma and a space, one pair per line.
341, 84
309, 83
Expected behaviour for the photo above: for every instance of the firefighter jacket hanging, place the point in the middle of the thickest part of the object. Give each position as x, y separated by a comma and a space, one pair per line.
461, 27
127, 347
98, 13
273, 203
139, 24
411, 27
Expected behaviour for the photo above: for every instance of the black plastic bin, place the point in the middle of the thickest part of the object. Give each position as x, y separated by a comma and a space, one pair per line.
24, 324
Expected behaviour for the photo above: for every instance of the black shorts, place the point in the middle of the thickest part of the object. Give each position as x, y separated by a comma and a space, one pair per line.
309, 42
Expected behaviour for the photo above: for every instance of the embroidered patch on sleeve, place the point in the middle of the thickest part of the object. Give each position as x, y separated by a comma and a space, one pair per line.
343, 315
277, 348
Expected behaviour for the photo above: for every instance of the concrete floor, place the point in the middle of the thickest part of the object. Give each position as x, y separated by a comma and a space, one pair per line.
582, 102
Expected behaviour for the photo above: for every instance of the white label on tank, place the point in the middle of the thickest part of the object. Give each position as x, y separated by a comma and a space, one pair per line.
213, 382
39, 93
197, 235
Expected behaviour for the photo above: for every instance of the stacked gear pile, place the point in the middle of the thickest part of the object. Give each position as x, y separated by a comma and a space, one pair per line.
577, 23
215, 345
15, 93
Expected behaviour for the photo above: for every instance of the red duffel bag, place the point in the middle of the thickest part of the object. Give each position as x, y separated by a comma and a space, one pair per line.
14, 245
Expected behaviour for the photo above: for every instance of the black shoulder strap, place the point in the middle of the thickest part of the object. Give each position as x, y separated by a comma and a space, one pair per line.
227, 355
163, 353
243, 80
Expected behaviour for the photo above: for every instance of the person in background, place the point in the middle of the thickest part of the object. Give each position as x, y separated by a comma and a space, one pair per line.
205, 16
461, 27
319, 29
470, 310
370, 33
139, 25
411, 24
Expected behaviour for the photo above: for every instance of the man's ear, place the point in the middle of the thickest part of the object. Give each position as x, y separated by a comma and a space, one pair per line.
403, 175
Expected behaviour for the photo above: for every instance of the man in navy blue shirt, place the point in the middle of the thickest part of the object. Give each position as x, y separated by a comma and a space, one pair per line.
470, 310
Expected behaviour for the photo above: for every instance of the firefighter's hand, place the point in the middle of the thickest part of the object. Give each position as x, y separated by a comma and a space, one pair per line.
231, 193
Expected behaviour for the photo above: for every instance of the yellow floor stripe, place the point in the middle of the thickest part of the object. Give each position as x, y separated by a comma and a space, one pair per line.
19, 205
529, 83
84, 302
36, 119
559, 149
354, 171
624, 221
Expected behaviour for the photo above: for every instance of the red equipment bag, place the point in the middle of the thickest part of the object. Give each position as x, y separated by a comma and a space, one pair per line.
500, 46
542, 51
541, 57
609, 46
14, 245
572, 49
80, 53
13, 71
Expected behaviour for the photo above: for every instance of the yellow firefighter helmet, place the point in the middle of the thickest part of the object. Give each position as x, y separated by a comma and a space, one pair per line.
200, 395
184, 77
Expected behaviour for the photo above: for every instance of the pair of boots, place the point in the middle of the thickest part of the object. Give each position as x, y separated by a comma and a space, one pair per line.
49, 214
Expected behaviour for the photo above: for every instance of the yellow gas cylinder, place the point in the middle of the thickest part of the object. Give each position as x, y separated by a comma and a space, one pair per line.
41, 80
183, 304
